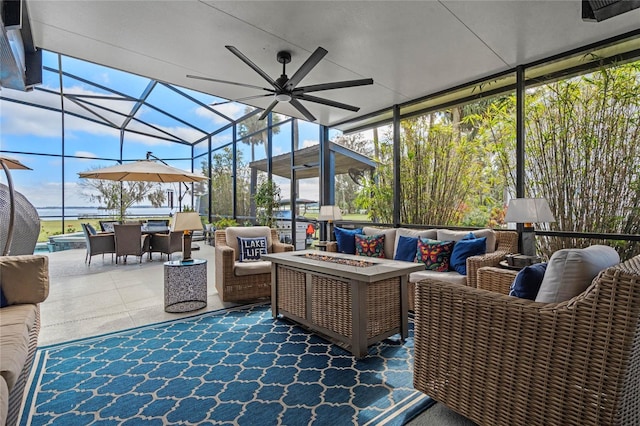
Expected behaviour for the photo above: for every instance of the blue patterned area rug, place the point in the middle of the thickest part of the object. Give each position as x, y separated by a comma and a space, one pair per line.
234, 367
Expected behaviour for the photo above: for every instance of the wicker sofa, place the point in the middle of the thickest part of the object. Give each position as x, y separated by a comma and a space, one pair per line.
239, 281
503, 242
500, 360
25, 283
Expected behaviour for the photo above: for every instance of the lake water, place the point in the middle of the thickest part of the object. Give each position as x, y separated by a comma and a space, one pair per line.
75, 212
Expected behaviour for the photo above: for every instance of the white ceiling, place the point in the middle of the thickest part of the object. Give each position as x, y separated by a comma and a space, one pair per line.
409, 48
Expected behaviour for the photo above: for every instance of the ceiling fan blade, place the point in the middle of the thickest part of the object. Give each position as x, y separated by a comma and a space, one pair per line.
268, 110
250, 86
297, 105
327, 102
306, 67
334, 85
241, 99
252, 65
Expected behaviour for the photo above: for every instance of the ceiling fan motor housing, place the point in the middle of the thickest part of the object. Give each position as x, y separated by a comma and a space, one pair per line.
283, 57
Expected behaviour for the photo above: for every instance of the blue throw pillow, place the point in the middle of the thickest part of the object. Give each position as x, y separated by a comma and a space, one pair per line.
346, 239
466, 247
3, 300
251, 249
407, 248
527, 282
91, 229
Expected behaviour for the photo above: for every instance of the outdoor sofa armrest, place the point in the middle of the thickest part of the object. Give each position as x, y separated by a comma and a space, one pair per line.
476, 262
494, 279
278, 247
332, 246
24, 279
502, 360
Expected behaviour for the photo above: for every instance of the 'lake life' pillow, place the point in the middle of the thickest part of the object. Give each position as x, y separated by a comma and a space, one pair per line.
251, 249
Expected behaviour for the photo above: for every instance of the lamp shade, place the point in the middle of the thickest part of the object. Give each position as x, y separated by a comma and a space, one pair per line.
529, 210
186, 221
329, 213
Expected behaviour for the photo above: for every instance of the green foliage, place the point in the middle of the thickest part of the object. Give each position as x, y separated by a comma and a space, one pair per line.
267, 199
582, 152
225, 222
254, 131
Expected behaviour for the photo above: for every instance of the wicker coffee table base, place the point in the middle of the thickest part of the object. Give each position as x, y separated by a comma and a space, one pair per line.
353, 314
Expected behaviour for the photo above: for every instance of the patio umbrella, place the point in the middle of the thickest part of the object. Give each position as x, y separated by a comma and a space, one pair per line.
143, 171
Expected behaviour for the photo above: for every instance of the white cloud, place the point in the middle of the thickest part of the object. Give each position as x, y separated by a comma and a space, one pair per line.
309, 142
85, 154
232, 110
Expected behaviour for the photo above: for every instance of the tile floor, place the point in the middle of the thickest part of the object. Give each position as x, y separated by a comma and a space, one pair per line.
104, 297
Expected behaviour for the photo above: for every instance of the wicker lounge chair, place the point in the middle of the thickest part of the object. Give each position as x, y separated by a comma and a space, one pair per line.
249, 281
500, 360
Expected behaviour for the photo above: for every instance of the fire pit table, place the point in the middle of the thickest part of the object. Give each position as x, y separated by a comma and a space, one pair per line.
354, 301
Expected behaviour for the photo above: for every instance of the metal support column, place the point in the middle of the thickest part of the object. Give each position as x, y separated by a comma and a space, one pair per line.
396, 166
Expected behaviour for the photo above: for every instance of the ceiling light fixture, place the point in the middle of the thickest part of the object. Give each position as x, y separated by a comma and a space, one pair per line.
283, 97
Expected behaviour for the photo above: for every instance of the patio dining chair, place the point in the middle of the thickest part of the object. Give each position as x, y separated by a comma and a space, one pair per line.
97, 243
166, 243
129, 240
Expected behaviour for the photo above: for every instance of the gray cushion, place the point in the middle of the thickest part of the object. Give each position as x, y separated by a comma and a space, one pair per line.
23, 314
14, 340
233, 232
4, 400
570, 272
241, 269
389, 238
24, 279
449, 276
450, 235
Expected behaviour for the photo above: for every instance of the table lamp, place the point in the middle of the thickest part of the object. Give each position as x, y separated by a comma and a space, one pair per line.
329, 214
10, 163
529, 211
186, 222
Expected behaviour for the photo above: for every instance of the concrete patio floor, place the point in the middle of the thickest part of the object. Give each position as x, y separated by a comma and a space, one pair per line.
104, 297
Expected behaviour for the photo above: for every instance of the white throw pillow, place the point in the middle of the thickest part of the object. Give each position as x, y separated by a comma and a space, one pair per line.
389, 238
570, 272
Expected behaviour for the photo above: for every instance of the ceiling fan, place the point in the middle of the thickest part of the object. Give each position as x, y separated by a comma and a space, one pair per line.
285, 89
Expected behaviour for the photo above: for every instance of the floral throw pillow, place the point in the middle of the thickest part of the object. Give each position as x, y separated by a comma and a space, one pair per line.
435, 254
370, 245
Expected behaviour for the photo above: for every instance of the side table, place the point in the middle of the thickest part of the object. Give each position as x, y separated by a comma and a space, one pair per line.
185, 285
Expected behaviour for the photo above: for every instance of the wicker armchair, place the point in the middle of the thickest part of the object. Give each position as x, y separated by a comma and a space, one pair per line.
232, 286
499, 360
494, 279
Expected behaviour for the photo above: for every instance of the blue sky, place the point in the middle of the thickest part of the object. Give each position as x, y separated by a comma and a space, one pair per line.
27, 129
